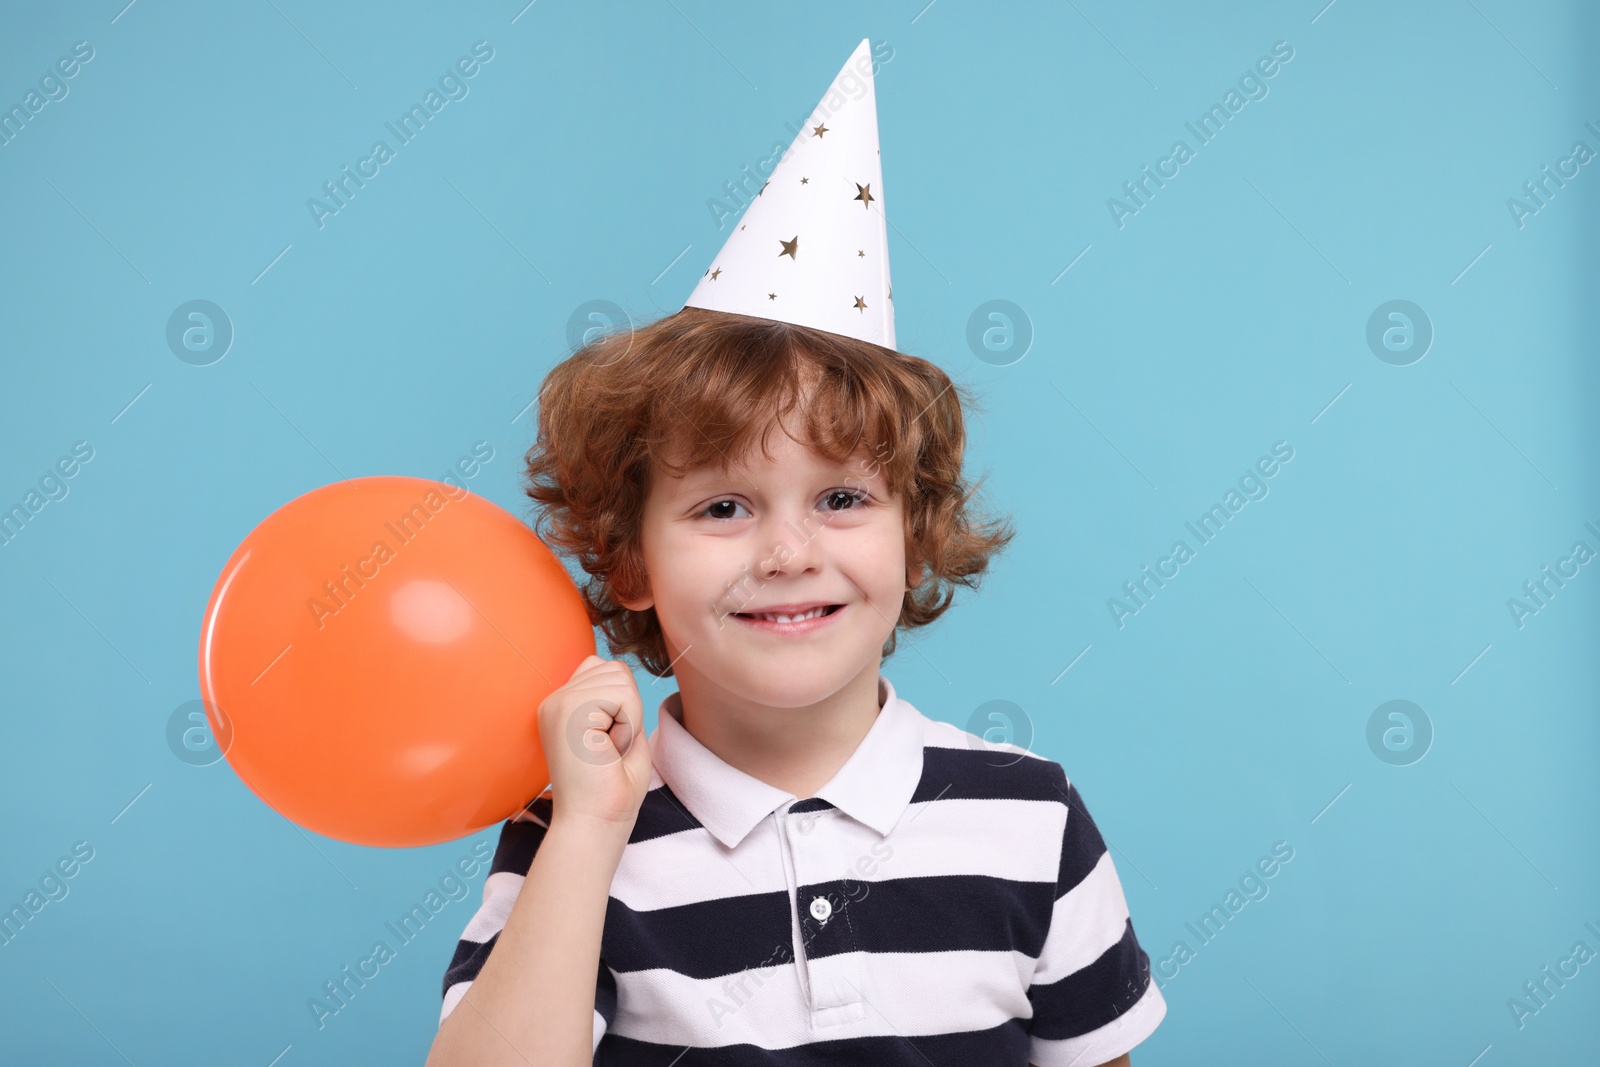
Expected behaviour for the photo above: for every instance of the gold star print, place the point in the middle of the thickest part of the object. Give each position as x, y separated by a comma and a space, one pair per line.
741, 226
864, 193
763, 187
891, 292
772, 296
859, 252
861, 304
805, 181
790, 247
715, 273
820, 130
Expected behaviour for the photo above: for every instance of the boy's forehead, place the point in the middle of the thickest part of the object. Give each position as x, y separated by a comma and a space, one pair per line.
785, 464
791, 465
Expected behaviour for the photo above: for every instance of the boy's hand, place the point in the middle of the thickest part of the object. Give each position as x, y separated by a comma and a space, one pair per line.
592, 730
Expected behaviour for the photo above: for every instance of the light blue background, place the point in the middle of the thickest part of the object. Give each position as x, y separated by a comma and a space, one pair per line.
1230, 713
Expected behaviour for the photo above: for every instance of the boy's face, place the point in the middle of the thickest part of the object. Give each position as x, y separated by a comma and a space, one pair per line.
793, 530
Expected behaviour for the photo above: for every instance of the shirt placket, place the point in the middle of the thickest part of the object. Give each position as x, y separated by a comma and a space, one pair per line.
833, 981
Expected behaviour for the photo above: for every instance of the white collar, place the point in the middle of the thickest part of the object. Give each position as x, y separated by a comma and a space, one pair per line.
874, 786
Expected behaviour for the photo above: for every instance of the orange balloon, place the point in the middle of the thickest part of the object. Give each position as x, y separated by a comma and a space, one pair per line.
374, 654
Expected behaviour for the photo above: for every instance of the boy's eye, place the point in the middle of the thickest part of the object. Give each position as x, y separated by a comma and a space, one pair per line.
835, 500
852, 498
716, 512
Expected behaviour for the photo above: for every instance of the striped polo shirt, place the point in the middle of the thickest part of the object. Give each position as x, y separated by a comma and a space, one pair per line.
944, 899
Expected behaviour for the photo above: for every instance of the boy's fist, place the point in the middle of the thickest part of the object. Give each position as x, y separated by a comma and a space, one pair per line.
592, 730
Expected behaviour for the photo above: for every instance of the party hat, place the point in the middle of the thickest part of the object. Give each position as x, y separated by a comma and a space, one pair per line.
812, 248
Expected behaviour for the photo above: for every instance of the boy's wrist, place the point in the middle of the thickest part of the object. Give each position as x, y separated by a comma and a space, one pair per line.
588, 828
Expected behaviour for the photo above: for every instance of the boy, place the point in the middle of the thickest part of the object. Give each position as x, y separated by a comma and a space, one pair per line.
797, 866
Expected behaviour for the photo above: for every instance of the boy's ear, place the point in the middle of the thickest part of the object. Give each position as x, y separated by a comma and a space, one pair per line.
635, 604
640, 604
915, 572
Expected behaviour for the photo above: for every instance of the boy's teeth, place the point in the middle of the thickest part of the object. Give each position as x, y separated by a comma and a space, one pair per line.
813, 613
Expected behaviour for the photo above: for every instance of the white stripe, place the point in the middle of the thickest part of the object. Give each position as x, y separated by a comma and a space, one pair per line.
453, 995
899, 993
1087, 920
1107, 1043
499, 894
999, 839
692, 866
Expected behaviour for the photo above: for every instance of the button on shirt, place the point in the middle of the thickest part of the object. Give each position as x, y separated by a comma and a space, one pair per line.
943, 899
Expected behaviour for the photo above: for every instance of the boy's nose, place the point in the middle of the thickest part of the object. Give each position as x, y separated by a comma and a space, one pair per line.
791, 545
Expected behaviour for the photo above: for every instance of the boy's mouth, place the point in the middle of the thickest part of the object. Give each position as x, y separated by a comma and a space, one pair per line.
789, 621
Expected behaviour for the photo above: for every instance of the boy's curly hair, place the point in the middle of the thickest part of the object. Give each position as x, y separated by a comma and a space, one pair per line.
700, 387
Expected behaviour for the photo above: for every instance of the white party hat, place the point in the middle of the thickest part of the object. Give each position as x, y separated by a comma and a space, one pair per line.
812, 248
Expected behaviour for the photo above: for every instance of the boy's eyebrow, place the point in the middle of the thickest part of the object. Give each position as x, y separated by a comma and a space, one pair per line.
705, 478
697, 480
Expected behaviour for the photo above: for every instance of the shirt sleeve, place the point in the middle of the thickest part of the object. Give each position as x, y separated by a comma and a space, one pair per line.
1091, 991
519, 840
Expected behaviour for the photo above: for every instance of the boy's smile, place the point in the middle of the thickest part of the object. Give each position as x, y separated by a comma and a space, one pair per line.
730, 556
788, 618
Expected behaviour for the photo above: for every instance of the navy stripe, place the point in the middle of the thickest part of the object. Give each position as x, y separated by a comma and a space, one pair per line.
1005, 1045
1089, 998
973, 774
520, 840
949, 913
703, 939
605, 995
467, 961
1081, 844
661, 814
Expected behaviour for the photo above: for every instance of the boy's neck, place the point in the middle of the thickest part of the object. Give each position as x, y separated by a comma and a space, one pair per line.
798, 750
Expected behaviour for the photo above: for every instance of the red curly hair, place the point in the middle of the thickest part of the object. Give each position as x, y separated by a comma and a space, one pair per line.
702, 387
